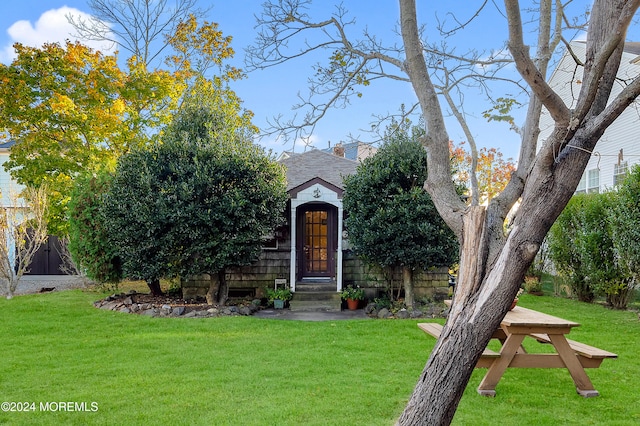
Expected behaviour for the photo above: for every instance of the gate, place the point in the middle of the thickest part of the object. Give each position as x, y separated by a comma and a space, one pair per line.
47, 260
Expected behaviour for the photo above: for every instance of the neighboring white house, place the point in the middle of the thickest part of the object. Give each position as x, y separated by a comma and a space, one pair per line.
47, 260
8, 187
619, 147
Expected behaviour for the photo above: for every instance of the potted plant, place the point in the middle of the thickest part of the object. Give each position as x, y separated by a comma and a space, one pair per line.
515, 301
352, 295
279, 296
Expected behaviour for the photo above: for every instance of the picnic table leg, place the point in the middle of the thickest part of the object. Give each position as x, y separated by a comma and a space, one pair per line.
570, 359
494, 374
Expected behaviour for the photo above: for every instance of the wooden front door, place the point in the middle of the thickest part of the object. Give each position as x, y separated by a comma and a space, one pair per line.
317, 242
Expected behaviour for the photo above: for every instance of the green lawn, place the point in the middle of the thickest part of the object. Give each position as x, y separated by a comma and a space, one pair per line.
57, 348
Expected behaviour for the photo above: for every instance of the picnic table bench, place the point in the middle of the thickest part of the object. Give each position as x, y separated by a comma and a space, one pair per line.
434, 329
520, 323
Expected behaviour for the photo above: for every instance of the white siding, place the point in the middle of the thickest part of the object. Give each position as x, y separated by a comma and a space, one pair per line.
8, 188
621, 135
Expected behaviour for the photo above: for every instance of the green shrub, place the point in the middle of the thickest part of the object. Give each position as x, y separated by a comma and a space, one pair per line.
90, 244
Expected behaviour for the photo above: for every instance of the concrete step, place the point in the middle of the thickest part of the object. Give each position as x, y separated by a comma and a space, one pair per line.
316, 301
316, 295
303, 287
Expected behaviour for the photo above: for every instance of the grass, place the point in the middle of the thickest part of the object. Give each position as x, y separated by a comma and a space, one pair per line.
247, 371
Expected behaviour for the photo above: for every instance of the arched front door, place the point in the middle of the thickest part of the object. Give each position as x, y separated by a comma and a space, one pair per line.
317, 241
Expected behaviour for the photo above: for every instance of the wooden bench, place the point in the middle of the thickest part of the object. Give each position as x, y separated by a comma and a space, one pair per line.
435, 329
590, 356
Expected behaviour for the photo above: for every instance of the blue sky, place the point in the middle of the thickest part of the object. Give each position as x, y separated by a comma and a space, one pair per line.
274, 91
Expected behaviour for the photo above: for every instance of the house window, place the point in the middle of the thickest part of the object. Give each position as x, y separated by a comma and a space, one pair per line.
593, 181
582, 186
269, 242
619, 172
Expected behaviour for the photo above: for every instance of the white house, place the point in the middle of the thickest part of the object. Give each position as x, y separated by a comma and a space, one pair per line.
47, 260
618, 149
7, 185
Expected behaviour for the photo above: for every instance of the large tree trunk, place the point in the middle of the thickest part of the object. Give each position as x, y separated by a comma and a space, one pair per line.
218, 289
154, 287
214, 288
223, 289
492, 265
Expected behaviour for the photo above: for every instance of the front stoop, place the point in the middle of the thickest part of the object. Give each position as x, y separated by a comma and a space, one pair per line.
316, 297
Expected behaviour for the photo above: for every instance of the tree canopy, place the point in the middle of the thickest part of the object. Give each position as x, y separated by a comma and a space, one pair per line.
391, 220
492, 171
199, 202
70, 109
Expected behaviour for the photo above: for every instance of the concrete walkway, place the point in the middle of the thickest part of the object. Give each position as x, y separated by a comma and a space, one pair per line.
30, 284
286, 314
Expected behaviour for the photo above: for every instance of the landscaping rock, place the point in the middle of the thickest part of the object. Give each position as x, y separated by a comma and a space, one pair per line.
402, 314
384, 313
112, 305
370, 309
171, 306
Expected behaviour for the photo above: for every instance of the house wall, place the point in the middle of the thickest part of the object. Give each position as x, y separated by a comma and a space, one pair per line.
274, 264
8, 187
621, 135
430, 284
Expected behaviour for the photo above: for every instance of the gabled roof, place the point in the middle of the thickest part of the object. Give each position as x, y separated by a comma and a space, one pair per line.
304, 167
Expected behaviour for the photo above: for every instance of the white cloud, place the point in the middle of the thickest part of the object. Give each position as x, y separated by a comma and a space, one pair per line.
51, 27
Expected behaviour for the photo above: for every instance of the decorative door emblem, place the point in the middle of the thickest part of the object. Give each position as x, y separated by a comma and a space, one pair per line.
317, 193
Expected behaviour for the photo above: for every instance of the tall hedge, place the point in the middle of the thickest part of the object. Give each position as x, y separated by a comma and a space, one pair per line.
196, 203
392, 221
593, 244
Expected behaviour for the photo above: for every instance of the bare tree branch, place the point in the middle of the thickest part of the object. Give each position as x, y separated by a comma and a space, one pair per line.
139, 27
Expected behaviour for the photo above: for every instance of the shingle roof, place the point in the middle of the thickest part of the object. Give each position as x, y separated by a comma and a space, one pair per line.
302, 168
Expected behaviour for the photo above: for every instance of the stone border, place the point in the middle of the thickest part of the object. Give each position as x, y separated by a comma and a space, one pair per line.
126, 303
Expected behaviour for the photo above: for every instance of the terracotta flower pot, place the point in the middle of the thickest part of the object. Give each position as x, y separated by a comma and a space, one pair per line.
514, 303
352, 304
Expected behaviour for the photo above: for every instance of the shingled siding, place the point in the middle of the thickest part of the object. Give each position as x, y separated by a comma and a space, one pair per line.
274, 264
426, 283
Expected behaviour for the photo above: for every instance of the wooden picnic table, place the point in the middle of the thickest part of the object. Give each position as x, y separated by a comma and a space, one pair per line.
521, 323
